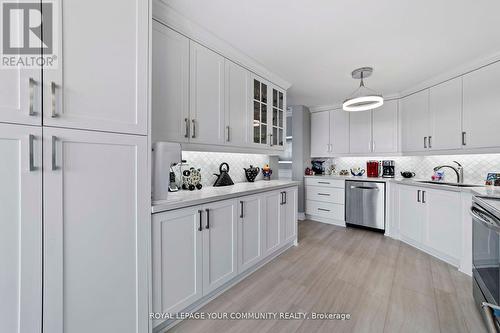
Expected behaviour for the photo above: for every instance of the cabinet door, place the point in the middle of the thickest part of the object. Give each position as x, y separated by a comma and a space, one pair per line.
442, 231
251, 217
278, 118
170, 85
177, 259
289, 215
96, 229
339, 132
21, 96
236, 109
445, 105
481, 112
272, 226
320, 134
360, 132
411, 217
260, 107
101, 82
206, 92
385, 128
20, 229
219, 244
415, 121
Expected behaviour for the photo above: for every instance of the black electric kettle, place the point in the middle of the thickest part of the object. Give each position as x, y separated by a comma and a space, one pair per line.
223, 179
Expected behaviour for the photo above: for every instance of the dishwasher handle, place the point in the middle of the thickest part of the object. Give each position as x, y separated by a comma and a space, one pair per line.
365, 188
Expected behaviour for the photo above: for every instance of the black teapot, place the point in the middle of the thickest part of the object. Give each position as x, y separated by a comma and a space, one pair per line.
251, 173
408, 174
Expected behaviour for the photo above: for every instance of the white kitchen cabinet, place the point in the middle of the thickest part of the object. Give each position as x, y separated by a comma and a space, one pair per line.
236, 106
177, 259
431, 220
360, 132
339, 132
415, 121
411, 214
272, 226
206, 95
220, 263
445, 105
260, 107
385, 128
96, 231
320, 134
101, 82
443, 223
21, 96
251, 220
277, 122
481, 109
288, 215
170, 85
20, 228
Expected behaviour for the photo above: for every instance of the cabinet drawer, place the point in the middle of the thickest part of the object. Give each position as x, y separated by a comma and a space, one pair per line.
325, 194
325, 209
325, 182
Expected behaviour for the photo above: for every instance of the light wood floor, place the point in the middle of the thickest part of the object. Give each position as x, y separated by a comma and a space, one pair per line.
386, 286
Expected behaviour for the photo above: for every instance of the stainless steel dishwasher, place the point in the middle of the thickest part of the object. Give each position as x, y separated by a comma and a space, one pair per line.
365, 204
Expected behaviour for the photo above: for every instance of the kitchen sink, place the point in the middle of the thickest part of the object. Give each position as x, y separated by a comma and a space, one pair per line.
447, 184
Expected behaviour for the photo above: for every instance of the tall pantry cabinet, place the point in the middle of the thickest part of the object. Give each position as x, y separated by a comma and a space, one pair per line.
92, 182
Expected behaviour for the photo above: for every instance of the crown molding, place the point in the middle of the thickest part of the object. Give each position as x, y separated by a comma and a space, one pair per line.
165, 14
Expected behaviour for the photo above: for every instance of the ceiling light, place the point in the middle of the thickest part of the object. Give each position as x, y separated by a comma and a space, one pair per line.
363, 98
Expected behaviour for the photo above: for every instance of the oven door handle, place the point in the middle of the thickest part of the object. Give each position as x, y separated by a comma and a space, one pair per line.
487, 224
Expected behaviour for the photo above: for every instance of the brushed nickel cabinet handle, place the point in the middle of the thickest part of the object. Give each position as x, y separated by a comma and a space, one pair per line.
228, 135
464, 143
194, 128
31, 96
54, 164
430, 141
323, 182
53, 98
271, 139
418, 195
31, 139
425, 142
423, 196
186, 121
325, 194
323, 210
241, 211
208, 219
200, 228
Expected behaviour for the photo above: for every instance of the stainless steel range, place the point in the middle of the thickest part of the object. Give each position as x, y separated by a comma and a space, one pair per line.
485, 213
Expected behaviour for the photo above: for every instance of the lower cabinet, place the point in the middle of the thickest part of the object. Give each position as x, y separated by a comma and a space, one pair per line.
432, 220
250, 231
20, 229
96, 213
198, 249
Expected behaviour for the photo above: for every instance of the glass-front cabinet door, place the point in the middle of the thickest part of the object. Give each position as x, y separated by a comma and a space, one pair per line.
268, 114
278, 118
260, 114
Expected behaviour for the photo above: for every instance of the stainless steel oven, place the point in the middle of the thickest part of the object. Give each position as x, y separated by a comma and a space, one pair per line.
485, 213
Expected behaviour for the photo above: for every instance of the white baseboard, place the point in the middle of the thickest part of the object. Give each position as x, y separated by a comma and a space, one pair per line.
338, 223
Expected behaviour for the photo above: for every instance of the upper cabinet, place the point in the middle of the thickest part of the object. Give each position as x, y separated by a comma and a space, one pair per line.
320, 134
481, 112
236, 107
339, 132
201, 98
360, 132
206, 95
385, 128
101, 81
415, 121
170, 85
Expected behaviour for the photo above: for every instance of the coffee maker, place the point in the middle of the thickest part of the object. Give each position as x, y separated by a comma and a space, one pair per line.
388, 167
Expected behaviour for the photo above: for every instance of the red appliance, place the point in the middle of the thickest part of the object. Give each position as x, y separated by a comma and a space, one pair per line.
372, 168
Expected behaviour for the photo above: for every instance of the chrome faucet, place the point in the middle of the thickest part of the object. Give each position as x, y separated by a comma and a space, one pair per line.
459, 170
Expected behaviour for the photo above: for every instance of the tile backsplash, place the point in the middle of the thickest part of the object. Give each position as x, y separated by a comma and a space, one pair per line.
475, 166
209, 163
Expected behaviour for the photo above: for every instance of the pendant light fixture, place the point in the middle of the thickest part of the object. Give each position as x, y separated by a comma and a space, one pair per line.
363, 98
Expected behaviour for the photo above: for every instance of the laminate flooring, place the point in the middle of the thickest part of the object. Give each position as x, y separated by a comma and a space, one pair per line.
385, 285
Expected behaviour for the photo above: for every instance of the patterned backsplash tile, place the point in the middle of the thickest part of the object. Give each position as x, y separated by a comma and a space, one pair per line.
209, 163
475, 166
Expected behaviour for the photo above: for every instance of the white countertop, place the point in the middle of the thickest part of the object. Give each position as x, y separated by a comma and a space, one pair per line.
184, 198
407, 181
488, 191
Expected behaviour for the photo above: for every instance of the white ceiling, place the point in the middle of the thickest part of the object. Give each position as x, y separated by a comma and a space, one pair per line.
316, 44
